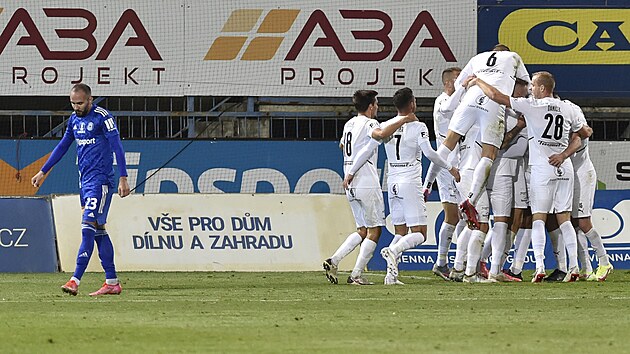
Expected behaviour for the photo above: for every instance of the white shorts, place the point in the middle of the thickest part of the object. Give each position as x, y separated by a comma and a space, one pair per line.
477, 108
584, 193
406, 204
521, 195
483, 204
502, 195
446, 187
367, 206
551, 188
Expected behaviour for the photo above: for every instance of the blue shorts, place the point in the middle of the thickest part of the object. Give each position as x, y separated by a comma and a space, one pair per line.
95, 201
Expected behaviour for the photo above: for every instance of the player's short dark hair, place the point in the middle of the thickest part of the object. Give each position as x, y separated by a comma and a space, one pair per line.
546, 79
501, 47
82, 87
402, 98
521, 81
362, 99
448, 71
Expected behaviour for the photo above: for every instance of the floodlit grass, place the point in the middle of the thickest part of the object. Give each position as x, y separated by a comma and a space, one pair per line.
302, 312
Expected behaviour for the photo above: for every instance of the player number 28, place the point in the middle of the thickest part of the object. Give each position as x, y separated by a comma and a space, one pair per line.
557, 129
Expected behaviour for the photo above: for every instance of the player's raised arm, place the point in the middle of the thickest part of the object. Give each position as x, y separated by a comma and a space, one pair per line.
492, 92
388, 128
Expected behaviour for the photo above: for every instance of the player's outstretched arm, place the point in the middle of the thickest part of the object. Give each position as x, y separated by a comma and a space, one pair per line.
510, 135
492, 93
436, 159
388, 128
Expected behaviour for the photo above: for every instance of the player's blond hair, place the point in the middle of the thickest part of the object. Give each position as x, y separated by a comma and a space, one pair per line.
546, 79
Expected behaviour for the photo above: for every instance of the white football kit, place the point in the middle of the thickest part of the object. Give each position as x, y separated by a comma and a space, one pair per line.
585, 182
365, 195
445, 181
499, 69
404, 174
549, 124
470, 154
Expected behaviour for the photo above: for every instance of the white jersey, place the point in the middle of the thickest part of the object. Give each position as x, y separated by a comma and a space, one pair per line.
549, 124
581, 159
441, 120
357, 132
499, 69
504, 166
404, 154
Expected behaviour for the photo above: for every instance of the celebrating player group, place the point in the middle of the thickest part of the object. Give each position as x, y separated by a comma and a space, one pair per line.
507, 146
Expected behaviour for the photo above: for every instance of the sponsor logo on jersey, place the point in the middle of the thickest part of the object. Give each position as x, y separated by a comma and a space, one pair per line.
270, 32
81, 142
81, 128
568, 36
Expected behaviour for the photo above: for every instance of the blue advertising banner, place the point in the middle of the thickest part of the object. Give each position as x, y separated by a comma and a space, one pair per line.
585, 45
27, 237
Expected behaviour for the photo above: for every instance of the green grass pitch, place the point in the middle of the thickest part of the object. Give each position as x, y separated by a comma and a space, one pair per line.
302, 312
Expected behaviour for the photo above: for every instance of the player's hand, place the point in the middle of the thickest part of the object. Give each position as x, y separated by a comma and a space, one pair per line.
123, 187
470, 81
425, 192
347, 180
556, 160
36, 181
455, 173
520, 121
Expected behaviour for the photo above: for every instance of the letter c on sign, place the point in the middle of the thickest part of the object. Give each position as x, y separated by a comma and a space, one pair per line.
536, 36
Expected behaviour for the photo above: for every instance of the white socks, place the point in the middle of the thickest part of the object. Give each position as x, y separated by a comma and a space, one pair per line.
445, 237
583, 256
480, 177
521, 245
570, 242
394, 240
474, 251
487, 246
557, 245
407, 242
351, 242
499, 240
462, 249
598, 246
538, 243
365, 254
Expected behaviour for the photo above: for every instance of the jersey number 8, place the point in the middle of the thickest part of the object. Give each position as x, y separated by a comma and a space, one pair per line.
347, 144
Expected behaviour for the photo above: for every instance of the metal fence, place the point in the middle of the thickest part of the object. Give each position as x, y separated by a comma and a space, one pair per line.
239, 117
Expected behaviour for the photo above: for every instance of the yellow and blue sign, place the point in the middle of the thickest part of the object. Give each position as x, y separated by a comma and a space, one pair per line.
586, 46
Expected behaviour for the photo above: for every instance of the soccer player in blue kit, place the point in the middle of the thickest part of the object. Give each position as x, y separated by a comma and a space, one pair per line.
94, 129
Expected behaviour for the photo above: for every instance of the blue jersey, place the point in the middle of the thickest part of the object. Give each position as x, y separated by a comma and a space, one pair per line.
94, 151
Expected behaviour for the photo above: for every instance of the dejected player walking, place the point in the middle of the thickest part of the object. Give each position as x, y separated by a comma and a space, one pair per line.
96, 134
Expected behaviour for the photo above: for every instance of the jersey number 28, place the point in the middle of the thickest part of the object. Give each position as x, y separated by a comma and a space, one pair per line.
557, 129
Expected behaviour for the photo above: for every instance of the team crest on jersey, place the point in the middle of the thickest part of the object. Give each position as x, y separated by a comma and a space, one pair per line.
90, 126
481, 100
395, 189
559, 171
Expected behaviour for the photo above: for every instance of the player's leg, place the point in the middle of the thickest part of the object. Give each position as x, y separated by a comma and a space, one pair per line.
372, 202
491, 128
448, 196
570, 242
104, 243
351, 242
396, 213
541, 200
89, 200
477, 238
588, 183
584, 258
